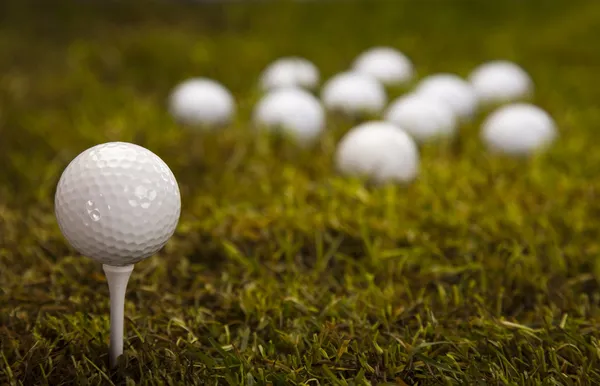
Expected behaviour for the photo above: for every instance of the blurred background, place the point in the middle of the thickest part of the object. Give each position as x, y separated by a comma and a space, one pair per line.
82, 72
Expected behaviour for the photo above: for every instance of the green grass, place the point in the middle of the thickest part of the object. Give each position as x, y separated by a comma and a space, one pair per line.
485, 271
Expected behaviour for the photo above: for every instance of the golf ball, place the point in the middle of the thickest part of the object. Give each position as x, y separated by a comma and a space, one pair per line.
518, 129
500, 82
294, 111
354, 94
379, 151
202, 102
389, 66
117, 203
290, 72
452, 90
422, 118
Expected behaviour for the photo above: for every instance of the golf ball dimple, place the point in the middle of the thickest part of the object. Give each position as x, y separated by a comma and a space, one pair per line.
379, 151
117, 203
202, 102
500, 81
518, 129
294, 111
290, 72
422, 118
452, 90
354, 94
388, 65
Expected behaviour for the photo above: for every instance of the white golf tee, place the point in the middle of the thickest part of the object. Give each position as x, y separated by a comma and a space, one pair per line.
117, 278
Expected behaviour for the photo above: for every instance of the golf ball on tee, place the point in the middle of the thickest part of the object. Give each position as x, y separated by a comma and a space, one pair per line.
354, 94
499, 82
452, 90
387, 65
117, 203
290, 72
422, 118
201, 102
379, 151
518, 129
294, 111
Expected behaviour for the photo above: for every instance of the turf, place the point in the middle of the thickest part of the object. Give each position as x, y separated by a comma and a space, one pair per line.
485, 271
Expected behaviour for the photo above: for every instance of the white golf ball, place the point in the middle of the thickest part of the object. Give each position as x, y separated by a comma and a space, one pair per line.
354, 94
452, 90
518, 129
290, 72
379, 151
202, 102
390, 66
294, 111
422, 118
117, 203
500, 82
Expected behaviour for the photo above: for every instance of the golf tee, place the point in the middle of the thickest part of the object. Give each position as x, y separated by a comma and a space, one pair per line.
117, 278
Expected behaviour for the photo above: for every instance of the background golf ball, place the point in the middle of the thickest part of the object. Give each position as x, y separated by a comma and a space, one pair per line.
379, 151
500, 82
202, 102
389, 66
423, 118
290, 72
518, 129
117, 203
292, 110
452, 90
354, 94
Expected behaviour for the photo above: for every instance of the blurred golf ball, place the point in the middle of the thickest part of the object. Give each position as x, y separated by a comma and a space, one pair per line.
293, 111
500, 82
389, 66
202, 102
354, 94
518, 129
422, 118
452, 90
290, 72
117, 203
379, 151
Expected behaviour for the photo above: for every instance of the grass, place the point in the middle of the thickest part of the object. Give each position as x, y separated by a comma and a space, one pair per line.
485, 271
